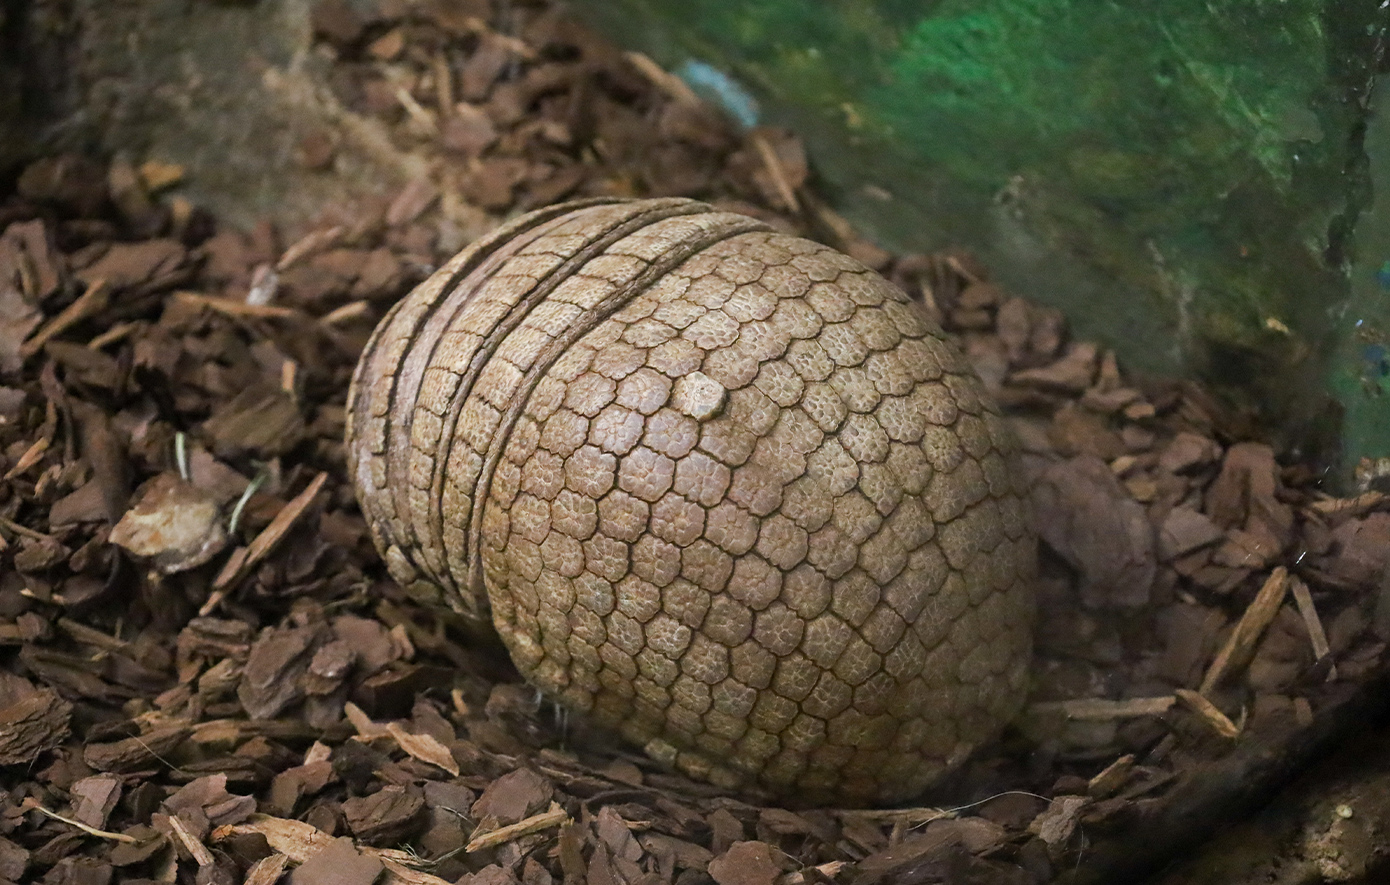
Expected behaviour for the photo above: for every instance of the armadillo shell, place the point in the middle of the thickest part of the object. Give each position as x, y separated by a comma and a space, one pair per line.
724, 490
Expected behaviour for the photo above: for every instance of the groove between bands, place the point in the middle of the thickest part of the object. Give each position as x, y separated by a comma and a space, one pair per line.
434, 518
405, 384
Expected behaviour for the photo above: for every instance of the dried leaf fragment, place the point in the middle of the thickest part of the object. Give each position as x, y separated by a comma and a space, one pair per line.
174, 524
300, 841
424, 747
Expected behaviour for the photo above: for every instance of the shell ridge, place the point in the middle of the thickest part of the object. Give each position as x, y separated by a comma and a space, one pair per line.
415, 310
672, 259
440, 305
434, 519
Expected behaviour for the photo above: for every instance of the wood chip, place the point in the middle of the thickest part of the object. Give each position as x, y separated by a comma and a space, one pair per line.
32, 725
1056, 824
358, 719
1071, 374
443, 83
1316, 635
310, 244
157, 176
136, 752
118, 332
904, 817
1358, 506
36, 450
773, 164
825, 872
417, 195
1088, 517
392, 814
341, 863
674, 87
1185, 530
1098, 708
1111, 778
91, 302
234, 308
267, 870
553, 817
1208, 712
273, 677
93, 799
174, 525
200, 853
745, 863
300, 841
25, 531
145, 263
513, 796
1241, 645
262, 420
270, 537
923, 856
351, 311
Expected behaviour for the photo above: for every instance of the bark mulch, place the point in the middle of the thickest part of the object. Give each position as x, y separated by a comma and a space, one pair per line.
206, 675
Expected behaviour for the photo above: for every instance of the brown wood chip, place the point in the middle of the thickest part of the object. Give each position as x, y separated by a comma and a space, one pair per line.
1098, 708
1092, 522
513, 796
90, 303
1056, 825
390, 815
271, 536
32, 725
132, 753
339, 863
1207, 711
1309, 612
553, 817
1241, 644
745, 863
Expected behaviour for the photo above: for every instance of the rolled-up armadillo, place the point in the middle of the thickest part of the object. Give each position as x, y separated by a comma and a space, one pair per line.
723, 490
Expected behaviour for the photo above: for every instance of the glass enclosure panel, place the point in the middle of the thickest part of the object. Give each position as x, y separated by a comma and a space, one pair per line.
1185, 179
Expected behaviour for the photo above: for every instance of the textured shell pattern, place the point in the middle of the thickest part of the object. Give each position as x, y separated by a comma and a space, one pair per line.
723, 490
